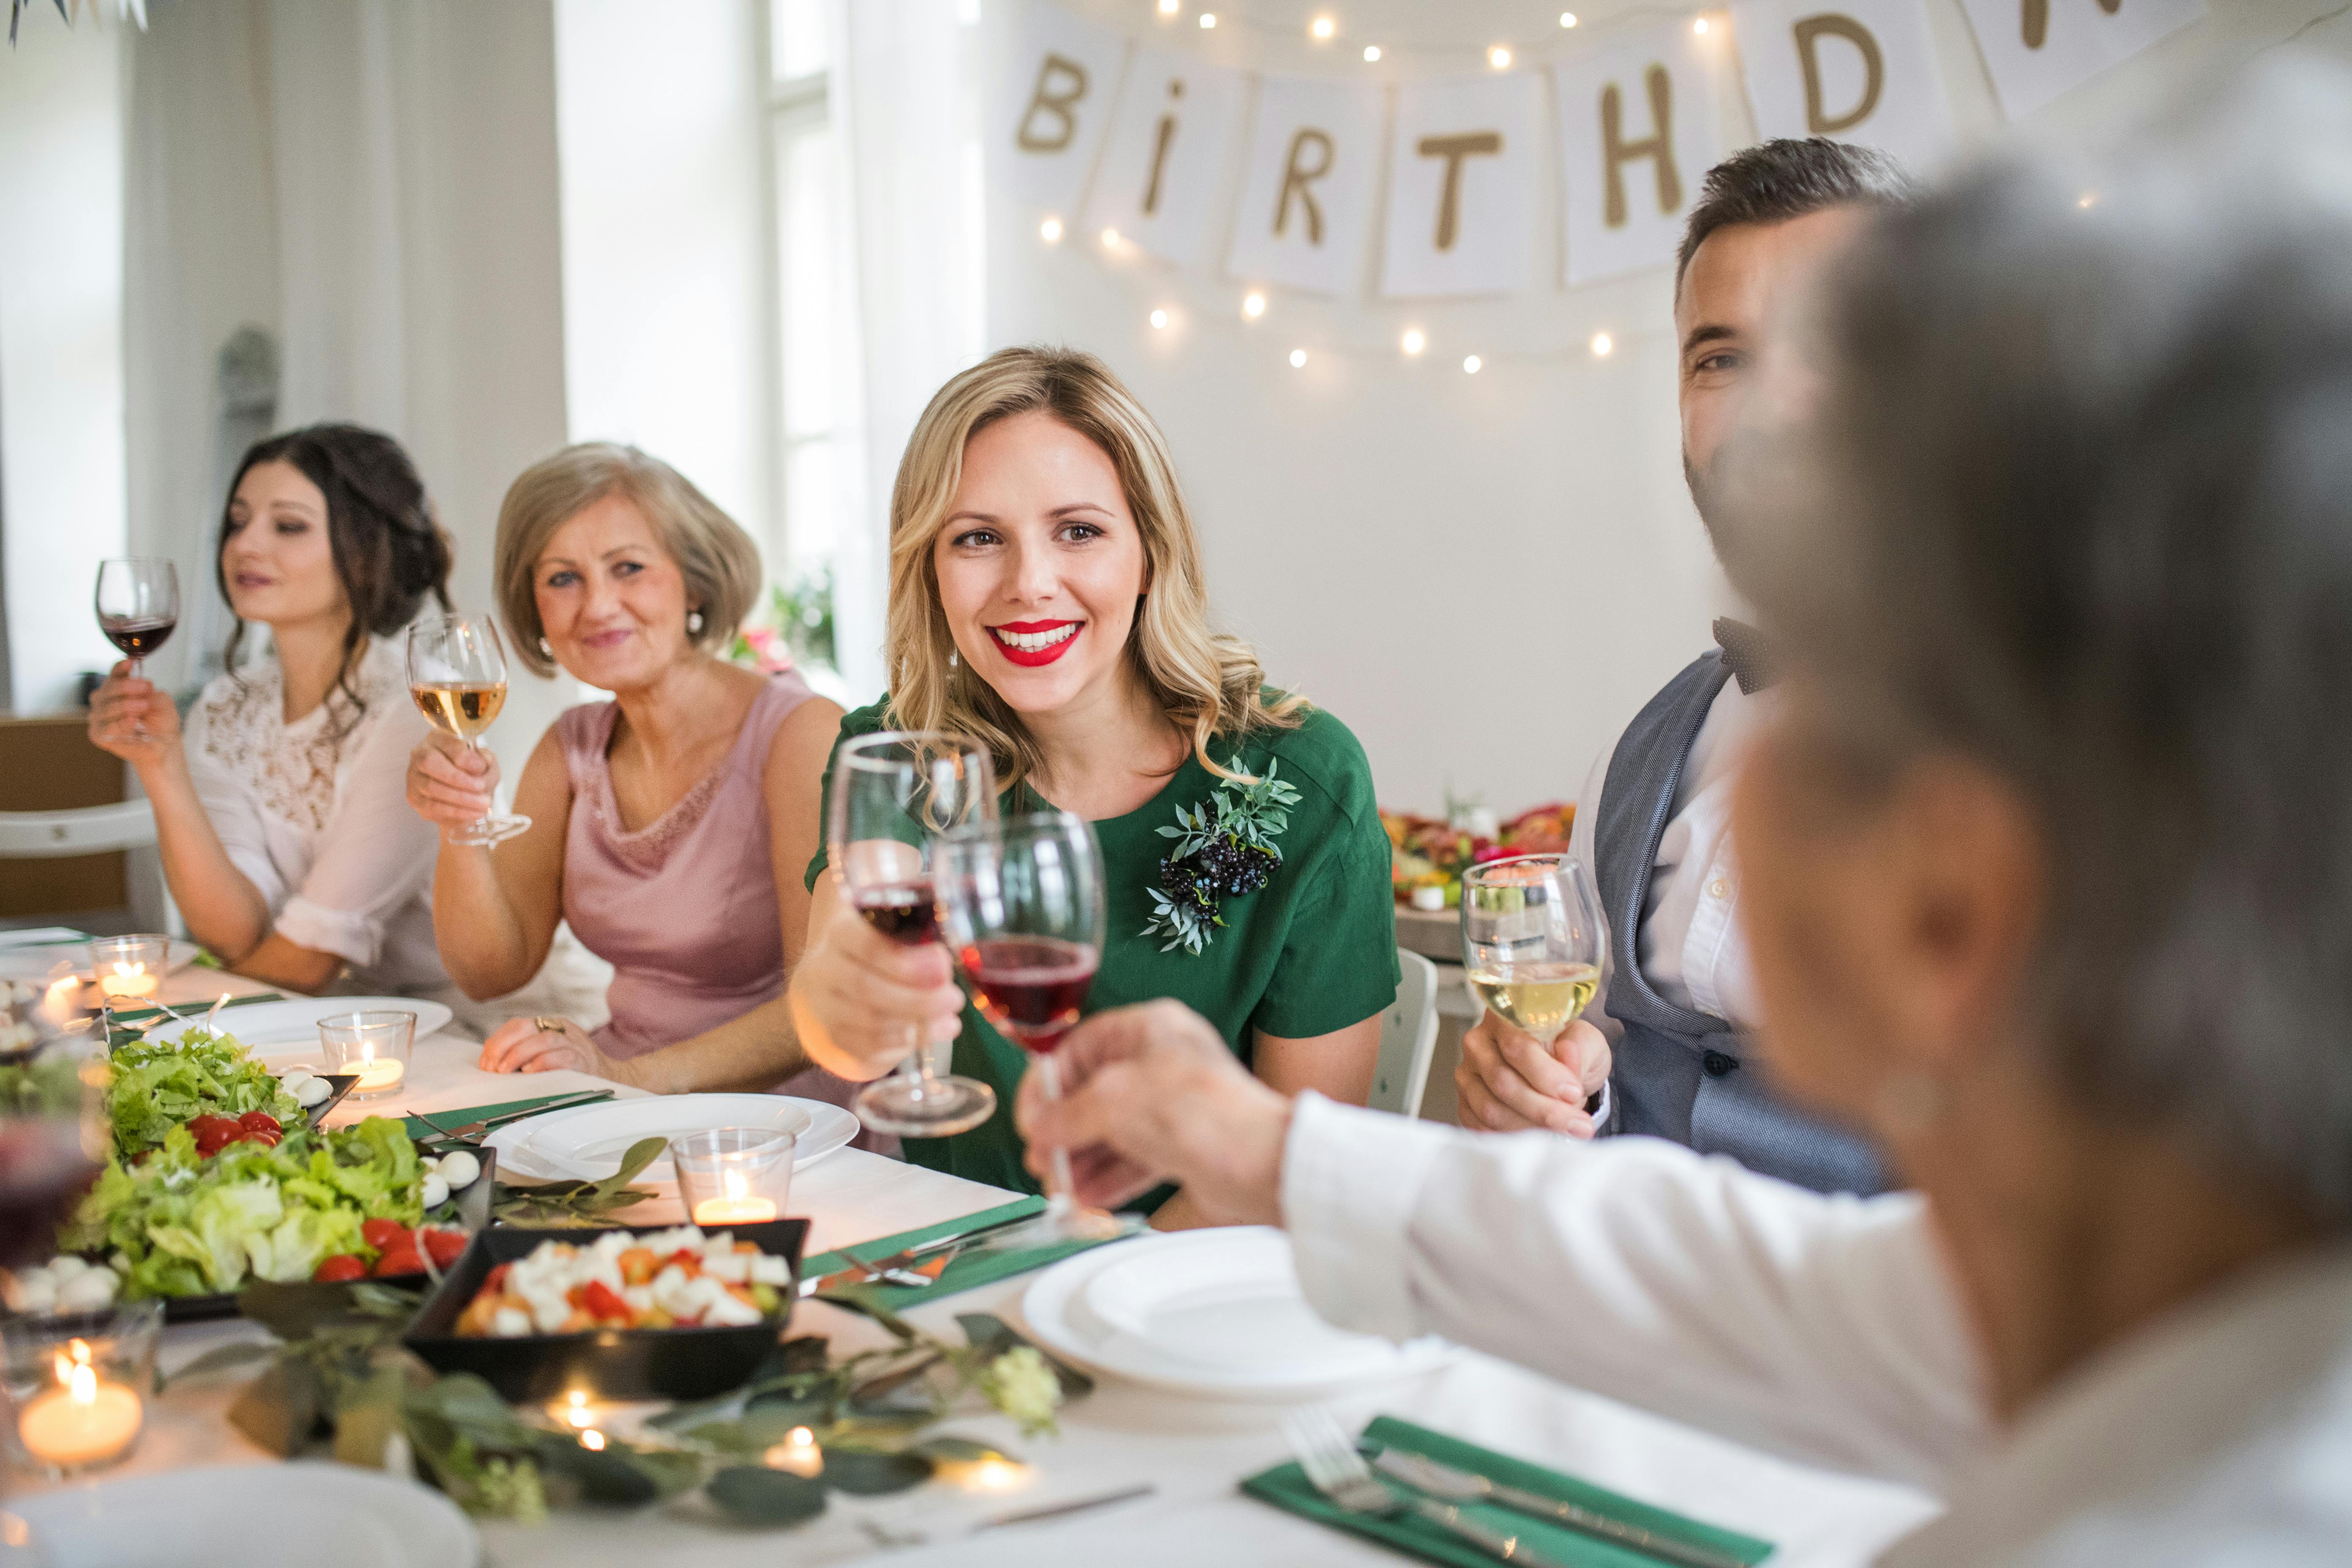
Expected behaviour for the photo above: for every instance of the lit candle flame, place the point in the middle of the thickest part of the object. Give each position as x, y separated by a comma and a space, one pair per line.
578, 1413
593, 1440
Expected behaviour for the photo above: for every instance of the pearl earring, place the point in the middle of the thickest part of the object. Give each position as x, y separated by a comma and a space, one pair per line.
694, 624
951, 658
545, 651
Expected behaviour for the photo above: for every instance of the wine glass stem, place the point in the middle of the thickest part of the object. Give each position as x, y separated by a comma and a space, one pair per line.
914, 1067
1058, 1182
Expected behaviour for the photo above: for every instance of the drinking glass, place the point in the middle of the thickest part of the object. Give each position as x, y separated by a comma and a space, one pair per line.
893, 795
458, 674
733, 1175
374, 1046
78, 1384
1533, 940
138, 603
1022, 902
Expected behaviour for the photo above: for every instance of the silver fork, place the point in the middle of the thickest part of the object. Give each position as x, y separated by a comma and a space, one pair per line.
1332, 1465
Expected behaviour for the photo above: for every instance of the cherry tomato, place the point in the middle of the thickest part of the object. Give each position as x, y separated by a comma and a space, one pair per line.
384, 1235
603, 1301
444, 1247
260, 1121
342, 1266
401, 1259
496, 1280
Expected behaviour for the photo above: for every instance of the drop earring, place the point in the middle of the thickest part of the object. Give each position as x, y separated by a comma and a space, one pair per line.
694, 624
951, 658
545, 651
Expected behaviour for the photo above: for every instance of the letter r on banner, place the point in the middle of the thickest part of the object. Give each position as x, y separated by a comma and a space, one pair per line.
1298, 180
1308, 186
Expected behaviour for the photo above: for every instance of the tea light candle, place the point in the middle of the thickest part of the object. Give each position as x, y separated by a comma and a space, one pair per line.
128, 980
737, 1204
798, 1454
83, 1421
379, 1075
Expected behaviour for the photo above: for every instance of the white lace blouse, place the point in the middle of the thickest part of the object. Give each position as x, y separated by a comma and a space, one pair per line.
313, 814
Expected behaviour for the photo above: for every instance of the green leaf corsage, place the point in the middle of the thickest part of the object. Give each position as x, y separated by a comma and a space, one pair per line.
1224, 850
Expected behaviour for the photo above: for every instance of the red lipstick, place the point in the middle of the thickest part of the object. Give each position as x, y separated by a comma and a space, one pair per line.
1033, 656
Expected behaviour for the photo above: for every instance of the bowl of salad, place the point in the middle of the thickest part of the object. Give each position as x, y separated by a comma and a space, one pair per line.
669, 1312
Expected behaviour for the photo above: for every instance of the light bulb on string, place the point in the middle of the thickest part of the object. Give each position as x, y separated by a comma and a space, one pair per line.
1160, 320
1111, 239
1602, 345
1252, 306
1207, 19
1170, 8
1412, 343
1699, 26
1050, 231
1371, 53
1298, 359
1322, 28
1567, 18
1473, 365
1499, 56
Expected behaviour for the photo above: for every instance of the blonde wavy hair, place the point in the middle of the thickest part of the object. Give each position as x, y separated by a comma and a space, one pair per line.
1207, 682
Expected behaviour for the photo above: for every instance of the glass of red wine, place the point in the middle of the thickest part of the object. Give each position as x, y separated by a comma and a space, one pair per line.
894, 795
138, 604
1021, 903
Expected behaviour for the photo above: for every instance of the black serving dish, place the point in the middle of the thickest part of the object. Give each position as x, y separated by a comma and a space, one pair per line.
608, 1363
341, 1083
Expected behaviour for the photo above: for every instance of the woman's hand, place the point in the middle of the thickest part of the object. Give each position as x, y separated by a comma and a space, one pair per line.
863, 1002
123, 707
546, 1045
1509, 1081
451, 784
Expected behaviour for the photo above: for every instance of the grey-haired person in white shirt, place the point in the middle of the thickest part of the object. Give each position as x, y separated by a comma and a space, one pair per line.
2048, 861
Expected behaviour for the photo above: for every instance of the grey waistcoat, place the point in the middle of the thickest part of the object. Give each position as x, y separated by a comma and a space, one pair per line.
1679, 1074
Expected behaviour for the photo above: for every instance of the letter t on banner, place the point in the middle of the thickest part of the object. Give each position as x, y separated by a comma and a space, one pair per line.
2037, 49
1314, 169
1462, 186
1859, 70
1169, 144
1054, 104
1638, 132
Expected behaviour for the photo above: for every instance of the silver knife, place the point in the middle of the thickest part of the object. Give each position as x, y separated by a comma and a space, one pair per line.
1427, 1475
473, 1130
859, 1273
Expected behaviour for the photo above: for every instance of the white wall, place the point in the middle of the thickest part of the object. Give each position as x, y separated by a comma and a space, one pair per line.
61, 385
666, 321
1484, 576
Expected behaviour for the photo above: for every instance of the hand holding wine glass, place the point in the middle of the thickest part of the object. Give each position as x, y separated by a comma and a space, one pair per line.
128, 718
1533, 941
457, 676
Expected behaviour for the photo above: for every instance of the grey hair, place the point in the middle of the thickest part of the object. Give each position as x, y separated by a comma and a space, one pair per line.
2085, 516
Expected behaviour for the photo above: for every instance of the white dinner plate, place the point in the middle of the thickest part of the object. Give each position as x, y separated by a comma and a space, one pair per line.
587, 1144
291, 1028
36, 961
213, 1518
1215, 1313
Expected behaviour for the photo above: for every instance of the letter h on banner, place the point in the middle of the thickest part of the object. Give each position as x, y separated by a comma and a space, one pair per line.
1638, 130
1312, 176
1863, 72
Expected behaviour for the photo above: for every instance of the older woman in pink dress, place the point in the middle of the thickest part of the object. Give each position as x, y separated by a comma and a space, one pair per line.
669, 825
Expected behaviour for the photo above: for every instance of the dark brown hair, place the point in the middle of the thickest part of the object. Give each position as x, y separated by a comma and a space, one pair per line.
1785, 178
388, 550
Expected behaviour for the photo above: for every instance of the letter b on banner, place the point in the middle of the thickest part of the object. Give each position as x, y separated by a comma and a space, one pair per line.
1858, 70
1054, 106
1638, 130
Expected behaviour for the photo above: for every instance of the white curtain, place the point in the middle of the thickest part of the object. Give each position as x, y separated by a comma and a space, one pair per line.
912, 311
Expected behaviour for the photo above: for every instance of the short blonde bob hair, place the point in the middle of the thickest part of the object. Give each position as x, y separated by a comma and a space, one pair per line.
1206, 682
721, 564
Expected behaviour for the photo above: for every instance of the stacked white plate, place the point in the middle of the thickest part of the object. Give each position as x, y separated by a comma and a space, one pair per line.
1217, 1313
586, 1144
209, 1518
291, 1028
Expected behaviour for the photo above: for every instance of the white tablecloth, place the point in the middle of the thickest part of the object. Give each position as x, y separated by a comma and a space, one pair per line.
1193, 1450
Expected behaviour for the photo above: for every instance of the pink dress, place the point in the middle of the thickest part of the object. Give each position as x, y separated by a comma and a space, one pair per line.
683, 909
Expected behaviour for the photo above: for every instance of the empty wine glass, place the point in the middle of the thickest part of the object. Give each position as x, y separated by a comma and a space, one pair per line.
458, 674
893, 794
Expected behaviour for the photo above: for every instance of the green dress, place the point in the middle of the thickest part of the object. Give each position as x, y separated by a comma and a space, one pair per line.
1311, 951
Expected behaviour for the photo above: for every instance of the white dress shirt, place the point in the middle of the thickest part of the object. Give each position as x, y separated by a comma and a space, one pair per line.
1691, 949
1829, 1329
315, 814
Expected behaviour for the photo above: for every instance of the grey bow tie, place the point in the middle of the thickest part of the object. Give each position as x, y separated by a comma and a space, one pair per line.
1747, 653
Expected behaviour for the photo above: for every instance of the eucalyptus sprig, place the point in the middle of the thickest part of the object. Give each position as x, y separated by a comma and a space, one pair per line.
1223, 849
542, 1204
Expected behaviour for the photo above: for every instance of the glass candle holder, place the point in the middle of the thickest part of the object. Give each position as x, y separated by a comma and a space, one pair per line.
374, 1045
130, 970
734, 1176
78, 1385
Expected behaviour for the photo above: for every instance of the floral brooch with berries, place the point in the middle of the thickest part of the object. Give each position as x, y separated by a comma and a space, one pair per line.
1223, 849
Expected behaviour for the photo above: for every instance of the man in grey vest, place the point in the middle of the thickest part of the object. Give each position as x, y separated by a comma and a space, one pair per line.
1665, 1031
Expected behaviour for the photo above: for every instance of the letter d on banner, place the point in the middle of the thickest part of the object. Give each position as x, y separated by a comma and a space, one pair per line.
1638, 132
1053, 106
1858, 70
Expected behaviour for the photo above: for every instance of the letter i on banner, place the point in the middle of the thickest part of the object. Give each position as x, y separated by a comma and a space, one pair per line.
2037, 49
1312, 172
1170, 142
1462, 186
1638, 133
1863, 71
1054, 105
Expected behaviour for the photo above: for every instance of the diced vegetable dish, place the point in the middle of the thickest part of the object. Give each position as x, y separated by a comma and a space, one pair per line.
683, 1278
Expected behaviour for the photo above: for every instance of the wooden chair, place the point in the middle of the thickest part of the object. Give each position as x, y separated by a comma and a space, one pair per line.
1408, 1037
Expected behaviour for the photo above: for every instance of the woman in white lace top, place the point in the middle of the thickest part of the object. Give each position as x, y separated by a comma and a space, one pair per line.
280, 814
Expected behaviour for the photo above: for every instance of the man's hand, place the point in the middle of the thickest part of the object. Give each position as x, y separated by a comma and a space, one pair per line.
1509, 1081
1151, 1094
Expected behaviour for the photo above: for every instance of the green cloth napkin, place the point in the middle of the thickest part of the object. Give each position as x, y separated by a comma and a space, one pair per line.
193, 1011
422, 1134
973, 1269
1286, 1486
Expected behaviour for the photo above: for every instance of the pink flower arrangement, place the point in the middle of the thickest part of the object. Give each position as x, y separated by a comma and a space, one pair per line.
765, 649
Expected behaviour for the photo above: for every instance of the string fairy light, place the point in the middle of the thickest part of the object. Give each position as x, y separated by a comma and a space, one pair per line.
1603, 345
1699, 26
1050, 231
1412, 343
1322, 28
1170, 8
1253, 305
1160, 320
1371, 53
1473, 365
1566, 18
1111, 239
1298, 359
1208, 20
1499, 56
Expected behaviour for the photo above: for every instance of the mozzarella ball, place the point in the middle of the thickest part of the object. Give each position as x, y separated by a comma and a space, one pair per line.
460, 1169
437, 1191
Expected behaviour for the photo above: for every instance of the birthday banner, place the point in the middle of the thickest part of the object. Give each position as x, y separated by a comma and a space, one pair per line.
1138, 140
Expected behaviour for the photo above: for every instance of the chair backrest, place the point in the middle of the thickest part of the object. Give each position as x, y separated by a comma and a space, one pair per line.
1408, 1037
84, 830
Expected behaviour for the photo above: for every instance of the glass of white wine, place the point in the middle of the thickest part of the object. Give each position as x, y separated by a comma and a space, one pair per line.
457, 673
1533, 940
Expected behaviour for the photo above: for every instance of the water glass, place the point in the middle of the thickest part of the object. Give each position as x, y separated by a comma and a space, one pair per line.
374, 1045
78, 1384
130, 970
734, 1176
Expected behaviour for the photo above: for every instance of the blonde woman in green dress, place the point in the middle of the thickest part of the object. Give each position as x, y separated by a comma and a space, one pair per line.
1047, 601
